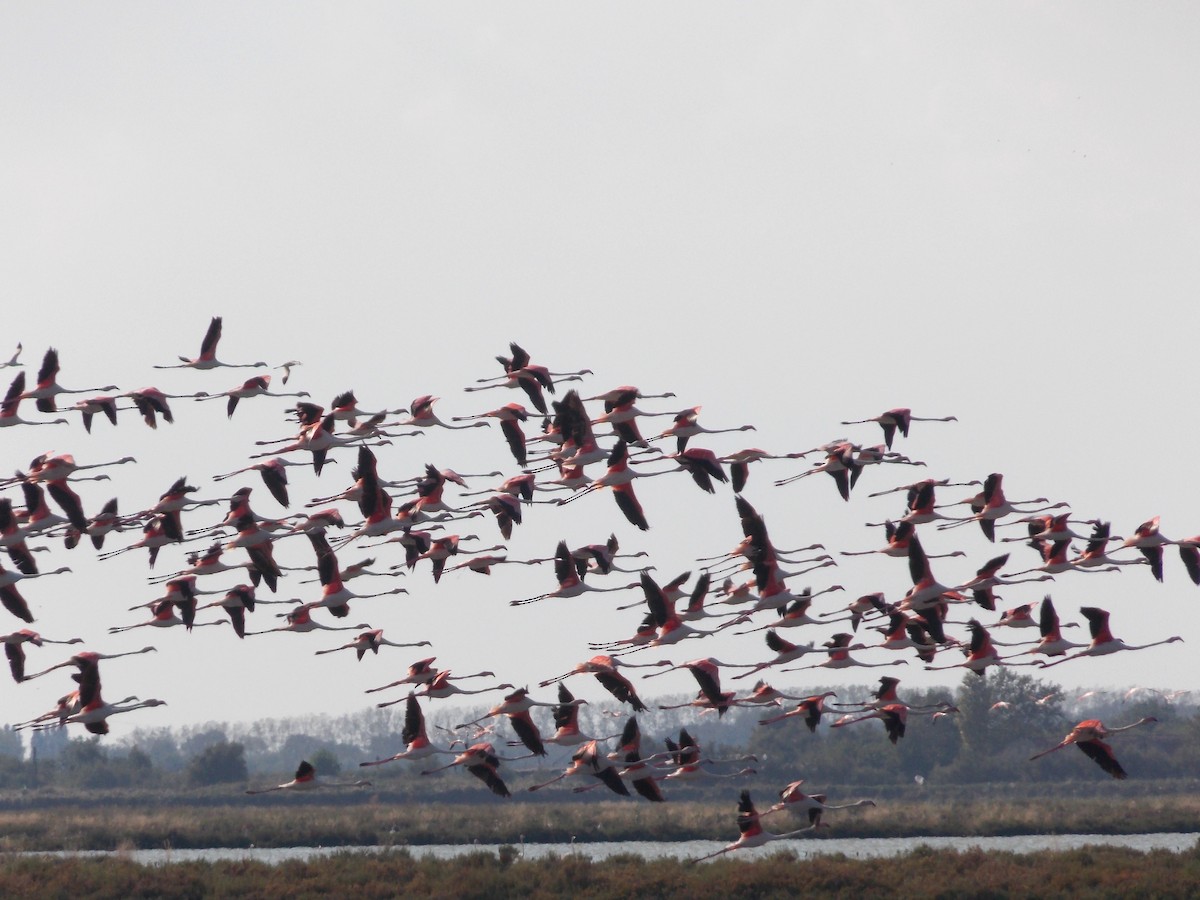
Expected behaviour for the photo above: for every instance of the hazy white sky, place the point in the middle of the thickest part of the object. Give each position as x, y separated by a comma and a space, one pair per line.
790, 214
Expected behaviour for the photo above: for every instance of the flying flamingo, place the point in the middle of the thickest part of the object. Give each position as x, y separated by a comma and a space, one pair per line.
795, 801
371, 640
569, 582
12, 401
838, 648
1089, 736
1147, 540
165, 617
510, 417
708, 676
441, 687
258, 386
687, 426
482, 761
151, 403
619, 477
94, 716
12, 361
208, 353
785, 652
516, 707
751, 831
532, 379
894, 716
14, 649
300, 620
88, 676
48, 387
416, 744
604, 668
1052, 642
898, 419
306, 779
566, 722
991, 504
423, 416
423, 671
588, 761
105, 405
1103, 642
810, 709
237, 602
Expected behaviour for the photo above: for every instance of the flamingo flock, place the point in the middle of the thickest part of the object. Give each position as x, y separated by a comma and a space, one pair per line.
386, 495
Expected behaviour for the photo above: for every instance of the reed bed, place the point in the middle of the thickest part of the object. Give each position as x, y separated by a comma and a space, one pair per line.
1089, 872
377, 820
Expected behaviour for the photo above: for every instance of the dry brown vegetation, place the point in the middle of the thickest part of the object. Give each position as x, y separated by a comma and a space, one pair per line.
1089, 872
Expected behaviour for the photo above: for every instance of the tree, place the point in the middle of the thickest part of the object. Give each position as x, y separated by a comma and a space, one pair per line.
218, 764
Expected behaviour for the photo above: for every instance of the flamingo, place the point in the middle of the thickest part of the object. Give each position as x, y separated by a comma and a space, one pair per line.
566, 722
810, 709
588, 761
416, 744
151, 403
441, 687
1103, 642
208, 353
423, 671
258, 386
898, 419
604, 668
981, 654
708, 676
752, 834
785, 652
12, 361
94, 716
11, 597
371, 640
991, 504
894, 716
739, 464
686, 426
423, 416
306, 779
797, 802
839, 647
1147, 540
1089, 736
48, 387
899, 534
510, 416
569, 582
237, 602
14, 649
620, 478
165, 617
88, 409
481, 761
88, 676
520, 373
12, 401
300, 620
274, 476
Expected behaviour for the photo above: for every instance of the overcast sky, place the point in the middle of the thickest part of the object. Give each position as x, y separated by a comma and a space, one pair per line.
789, 214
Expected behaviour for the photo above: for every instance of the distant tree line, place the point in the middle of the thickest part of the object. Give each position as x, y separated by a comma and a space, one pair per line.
997, 723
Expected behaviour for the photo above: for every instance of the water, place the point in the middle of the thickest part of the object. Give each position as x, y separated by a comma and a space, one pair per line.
853, 847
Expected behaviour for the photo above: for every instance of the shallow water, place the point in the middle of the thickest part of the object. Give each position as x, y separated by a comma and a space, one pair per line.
852, 847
